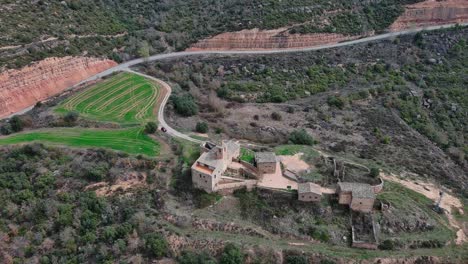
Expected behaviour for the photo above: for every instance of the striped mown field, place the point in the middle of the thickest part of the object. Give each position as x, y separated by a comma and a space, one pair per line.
124, 98
132, 140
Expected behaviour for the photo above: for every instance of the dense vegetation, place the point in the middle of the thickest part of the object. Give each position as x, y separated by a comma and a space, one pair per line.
160, 25
421, 77
47, 214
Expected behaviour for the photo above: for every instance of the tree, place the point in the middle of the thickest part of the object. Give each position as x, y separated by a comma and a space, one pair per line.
156, 245
6, 129
144, 50
374, 172
71, 117
201, 127
301, 137
151, 128
336, 101
231, 255
185, 105
16, 124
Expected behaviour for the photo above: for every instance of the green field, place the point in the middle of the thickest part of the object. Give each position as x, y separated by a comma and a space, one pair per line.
132, 141
124, 98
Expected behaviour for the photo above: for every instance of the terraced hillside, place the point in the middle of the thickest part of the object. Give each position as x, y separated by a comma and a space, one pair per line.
132, 141
125, 98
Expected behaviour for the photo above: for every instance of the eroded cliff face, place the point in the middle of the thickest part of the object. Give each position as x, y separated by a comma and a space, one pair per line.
23, 88
256, 39
432, 12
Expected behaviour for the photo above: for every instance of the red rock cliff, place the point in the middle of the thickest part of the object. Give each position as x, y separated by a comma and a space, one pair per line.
266, 39
432, 12
22, 88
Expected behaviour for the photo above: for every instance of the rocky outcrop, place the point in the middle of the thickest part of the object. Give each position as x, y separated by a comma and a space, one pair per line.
22, 88
432, 12
255, 39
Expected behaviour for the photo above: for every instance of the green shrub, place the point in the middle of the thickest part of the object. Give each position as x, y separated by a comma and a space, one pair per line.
16, 124
185, 105
374, 172
201, 127
276, 116
151, 127
301, 137
296, 259
156, 245
188, 257
231, 255
71, 117
6, 129
336, 101
319, 233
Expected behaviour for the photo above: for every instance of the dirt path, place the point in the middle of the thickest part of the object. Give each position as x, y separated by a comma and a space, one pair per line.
449, 202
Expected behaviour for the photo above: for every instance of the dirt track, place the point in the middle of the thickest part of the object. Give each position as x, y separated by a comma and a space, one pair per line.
449, 202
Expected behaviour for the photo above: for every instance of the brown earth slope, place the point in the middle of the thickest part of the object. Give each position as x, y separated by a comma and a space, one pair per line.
427, 13
22, 88
432, 12
267, 39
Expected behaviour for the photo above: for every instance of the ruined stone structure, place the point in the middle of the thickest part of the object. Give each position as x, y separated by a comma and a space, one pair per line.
23, 88
209, 167
309, 192
265, 162
359, 196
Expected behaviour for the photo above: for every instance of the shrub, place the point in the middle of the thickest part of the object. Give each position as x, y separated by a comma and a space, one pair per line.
185, 105
151, 127
336, 101
374, 172
188, 257
388, 245
296, 259
156, 245
231, 255
301, 137
71, 117
6, 129
16, 124
319, 234
201, 127
276, 116
386, 140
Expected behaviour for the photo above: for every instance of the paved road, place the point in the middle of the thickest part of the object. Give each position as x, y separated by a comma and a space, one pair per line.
162, 121
126, 65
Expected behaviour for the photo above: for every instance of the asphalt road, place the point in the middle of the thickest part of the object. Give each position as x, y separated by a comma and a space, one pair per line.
162, 122
126, 66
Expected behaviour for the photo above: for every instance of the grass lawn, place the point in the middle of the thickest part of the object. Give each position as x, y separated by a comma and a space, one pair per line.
131, 141
247, 155
124, 98
408, 202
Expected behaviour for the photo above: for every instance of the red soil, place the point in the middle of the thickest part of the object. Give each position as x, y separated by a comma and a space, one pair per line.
256, 39
22, 88
432, 12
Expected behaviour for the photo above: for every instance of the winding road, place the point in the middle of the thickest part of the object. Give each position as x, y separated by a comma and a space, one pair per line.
126, 65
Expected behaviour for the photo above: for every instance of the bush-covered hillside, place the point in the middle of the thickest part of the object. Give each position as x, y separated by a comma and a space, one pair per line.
418, 81
168, 24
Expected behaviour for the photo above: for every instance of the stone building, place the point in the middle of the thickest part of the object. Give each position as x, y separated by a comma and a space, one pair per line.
309, 192
212, 163
359, 196
265, 162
